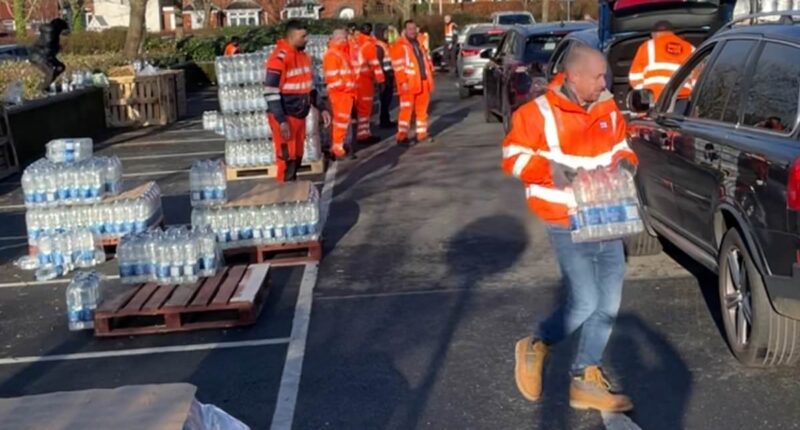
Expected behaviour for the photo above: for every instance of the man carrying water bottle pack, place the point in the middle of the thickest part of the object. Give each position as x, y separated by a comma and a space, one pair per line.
575, 124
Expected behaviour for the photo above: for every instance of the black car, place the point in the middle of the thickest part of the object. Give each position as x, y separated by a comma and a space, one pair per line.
510, 77
719, 177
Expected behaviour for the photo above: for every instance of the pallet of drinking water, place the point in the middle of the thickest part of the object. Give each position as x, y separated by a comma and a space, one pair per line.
214, 121
69, 150
86, 180
241, 69
607, 205
58, 254
172, 256
207, 183
132, 211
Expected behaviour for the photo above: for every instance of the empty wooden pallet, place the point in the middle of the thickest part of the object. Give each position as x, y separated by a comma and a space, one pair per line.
285, 254
271, 171
233, 297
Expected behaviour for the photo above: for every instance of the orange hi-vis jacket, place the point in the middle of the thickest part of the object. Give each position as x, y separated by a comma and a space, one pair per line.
384, 56
339, 73
368, 64
449, 31
231, 49
657, 60
289, 82
552, 132
424, 39
407, 69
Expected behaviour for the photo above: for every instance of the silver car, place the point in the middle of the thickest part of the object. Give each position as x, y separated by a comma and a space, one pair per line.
479, 43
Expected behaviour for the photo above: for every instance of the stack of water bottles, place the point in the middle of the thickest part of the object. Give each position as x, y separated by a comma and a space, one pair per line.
213, 121
240, 226
250, 126
83, 294
109, 218
60, 253
174, 256
83, 180
607, 205
207, 183
244, 99
69, 150
261, 152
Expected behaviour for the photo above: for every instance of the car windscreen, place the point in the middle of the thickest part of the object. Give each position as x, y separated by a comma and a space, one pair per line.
514, 19
539, 48
484, 39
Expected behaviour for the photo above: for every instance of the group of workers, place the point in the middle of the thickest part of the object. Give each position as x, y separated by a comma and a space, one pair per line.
358, 61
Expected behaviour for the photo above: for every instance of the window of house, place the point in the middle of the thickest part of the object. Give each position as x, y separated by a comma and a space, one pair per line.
772, 97
243, 17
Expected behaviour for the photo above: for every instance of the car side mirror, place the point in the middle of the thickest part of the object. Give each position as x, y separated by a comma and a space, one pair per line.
487, 54
640, 101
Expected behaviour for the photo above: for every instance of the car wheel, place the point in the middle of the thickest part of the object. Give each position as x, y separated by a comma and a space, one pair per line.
642, 244
488, 115
464, 92
756, 334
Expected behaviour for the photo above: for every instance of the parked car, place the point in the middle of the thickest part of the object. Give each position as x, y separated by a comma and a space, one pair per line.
470, 63
516, 70
512, 18
625, 24
14, 52
719, 177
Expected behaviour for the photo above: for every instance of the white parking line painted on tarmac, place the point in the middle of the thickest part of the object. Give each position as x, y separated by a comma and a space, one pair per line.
180, 154
144, 351
157, 172
12, 207
164, 142
283, 417
50, 282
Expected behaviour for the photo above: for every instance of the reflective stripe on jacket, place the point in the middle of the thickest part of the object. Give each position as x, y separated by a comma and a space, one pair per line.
368, 64
339, 73
657, 60
289, 82
552, 132
407, 68
384, 56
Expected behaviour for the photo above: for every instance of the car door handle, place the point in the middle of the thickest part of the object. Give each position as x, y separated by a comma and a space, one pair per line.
711, 154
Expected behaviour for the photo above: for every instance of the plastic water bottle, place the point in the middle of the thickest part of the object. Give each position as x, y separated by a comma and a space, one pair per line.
83, 294
630, 202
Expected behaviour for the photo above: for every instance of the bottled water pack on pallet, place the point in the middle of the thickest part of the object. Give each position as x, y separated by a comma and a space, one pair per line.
108, 218
207, 183
174, 256
264, 224
247, 126
607, 206
213, 121
60, 253
83, 295
242, 100
45, 183
241, 69
69, 150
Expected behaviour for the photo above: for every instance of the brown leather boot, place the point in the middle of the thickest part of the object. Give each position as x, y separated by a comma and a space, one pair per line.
529, 364
592, 391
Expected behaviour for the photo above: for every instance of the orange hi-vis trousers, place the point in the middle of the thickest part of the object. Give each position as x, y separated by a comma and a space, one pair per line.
342, 109
364, 100
418, 105
291, 150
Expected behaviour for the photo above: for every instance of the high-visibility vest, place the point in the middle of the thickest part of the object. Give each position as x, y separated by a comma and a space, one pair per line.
368, 64
386, 60
553, 132
407, 68
289, 81
424, 40
231, 49
339, 73
449, 31
657, 60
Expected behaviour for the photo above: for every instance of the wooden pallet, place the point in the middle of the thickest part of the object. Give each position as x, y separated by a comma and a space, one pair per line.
142, 100
234, 297
271, 171
286, 254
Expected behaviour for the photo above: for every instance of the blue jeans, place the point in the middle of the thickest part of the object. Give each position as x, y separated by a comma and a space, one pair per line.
593, 273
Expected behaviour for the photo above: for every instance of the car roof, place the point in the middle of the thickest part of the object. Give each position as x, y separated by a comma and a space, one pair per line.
554, 27
588, 37
483, 28
519, 12
775, 31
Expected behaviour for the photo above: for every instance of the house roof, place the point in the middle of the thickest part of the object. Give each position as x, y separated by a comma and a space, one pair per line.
99, 21
243, 5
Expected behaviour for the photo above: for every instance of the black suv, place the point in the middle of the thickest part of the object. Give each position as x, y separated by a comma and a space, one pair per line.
719, 177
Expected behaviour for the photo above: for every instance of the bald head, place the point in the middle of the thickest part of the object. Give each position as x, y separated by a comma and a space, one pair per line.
585, 70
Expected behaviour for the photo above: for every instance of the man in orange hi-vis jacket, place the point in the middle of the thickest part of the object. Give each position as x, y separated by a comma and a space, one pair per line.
575, 124
232, 47
340, 78
658, 59
413, 72
290, 93
370, 72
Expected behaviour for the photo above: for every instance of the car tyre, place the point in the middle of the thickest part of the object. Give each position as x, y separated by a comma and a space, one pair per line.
464, 92
642, 244
757, 335
488, 115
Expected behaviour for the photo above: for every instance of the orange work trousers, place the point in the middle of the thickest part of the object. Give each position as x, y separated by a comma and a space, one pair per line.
342, 107
418, 105
364, 96
290, 151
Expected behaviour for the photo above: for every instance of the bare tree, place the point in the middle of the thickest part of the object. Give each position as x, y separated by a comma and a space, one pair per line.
203, 8
136, 28
21, 11
179, 25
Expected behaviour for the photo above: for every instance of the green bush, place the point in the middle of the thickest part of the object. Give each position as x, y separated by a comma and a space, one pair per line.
88, 42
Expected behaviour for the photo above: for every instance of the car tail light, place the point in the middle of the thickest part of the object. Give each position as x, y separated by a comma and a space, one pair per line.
793, 187
470, 52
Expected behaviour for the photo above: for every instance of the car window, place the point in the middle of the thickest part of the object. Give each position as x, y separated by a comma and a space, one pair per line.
721, 92
511, 40
771, 100
484, 39
684, 94
540, 48
514, 19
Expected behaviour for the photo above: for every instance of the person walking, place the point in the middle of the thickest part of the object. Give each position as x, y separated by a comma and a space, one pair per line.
387, 90
370, 73
290, 93
413, 72
340, 78
450, 40
658, 59
232, 47
575, 124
